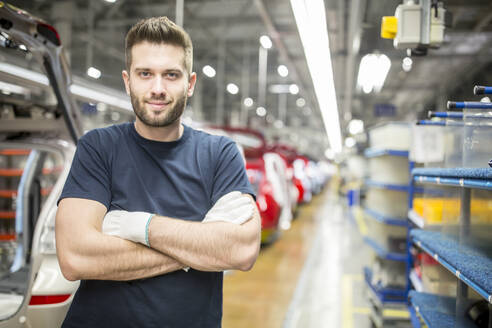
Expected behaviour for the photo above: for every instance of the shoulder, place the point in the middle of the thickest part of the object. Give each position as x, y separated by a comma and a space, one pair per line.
105, 136
212, 141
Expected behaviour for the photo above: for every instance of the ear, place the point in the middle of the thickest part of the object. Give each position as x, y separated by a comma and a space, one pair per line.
191, 84
126, 80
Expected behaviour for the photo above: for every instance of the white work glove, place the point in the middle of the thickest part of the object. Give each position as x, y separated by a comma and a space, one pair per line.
132, 226
232, 207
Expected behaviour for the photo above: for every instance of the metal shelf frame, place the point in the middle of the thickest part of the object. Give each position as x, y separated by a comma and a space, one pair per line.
375, 152
383, 252
385, 219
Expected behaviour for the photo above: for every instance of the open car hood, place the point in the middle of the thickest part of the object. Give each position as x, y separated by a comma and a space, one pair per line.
21, 31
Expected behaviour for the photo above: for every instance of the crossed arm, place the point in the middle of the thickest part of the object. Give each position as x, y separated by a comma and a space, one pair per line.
84, 252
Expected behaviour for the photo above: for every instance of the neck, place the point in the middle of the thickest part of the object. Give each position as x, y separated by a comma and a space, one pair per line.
166, 134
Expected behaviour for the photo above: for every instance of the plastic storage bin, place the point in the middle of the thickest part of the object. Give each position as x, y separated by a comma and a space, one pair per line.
389, 169
393, 135
389, 203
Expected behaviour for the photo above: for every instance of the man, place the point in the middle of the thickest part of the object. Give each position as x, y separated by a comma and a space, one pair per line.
171, 198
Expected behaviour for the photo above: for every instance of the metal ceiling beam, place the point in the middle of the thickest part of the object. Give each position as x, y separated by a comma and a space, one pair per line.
484, 20
353, 44
279, 44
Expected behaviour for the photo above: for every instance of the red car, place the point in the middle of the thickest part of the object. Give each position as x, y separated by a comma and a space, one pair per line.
264, 183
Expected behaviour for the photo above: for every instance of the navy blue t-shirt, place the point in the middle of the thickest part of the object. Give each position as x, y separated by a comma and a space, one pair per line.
181, 179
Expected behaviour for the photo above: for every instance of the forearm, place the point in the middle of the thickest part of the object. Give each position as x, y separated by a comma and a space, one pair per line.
213, 246
84, 252
112, 258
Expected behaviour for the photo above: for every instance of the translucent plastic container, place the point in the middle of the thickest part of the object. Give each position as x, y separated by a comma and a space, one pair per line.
392, 238
392, 135
453, 143
389, 169
389, 203
477, 142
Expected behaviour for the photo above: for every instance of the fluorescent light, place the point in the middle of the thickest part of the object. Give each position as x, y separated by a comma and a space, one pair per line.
78, 90
91, 94
300, 102
373, 69
8, 88
278, 88
282, 70
24, 73
261, 111
110, 1
232, 88
248, 102
265, 42
311, 23
208, 71
406, 64
93, 72
356, 127
294, 89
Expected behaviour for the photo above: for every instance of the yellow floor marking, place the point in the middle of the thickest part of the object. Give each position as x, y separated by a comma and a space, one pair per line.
393, 313
359, 218
347, 305
348, 309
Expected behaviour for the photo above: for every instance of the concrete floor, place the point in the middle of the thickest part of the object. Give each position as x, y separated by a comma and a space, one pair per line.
310, 277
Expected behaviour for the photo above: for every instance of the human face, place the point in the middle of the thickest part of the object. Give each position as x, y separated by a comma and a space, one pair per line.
158, 83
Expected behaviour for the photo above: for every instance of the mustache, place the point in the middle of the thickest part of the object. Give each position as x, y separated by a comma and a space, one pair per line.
159, 98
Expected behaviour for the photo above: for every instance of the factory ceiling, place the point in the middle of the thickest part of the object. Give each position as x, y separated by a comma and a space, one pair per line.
226, 36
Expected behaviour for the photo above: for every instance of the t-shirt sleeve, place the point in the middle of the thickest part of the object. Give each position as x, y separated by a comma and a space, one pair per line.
230, 172
89, 176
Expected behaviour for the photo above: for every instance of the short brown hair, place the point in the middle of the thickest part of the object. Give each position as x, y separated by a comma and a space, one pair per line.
159, 30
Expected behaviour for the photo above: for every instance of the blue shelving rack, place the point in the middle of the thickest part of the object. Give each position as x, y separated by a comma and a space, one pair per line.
436, 311
383, 294
471, 265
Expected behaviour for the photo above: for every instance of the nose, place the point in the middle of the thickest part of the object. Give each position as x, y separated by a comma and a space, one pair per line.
158, 87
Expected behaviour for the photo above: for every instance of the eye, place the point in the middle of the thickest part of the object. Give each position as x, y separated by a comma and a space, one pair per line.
144, 74
172, 75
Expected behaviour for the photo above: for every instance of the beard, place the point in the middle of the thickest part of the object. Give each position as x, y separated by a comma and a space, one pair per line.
168, 117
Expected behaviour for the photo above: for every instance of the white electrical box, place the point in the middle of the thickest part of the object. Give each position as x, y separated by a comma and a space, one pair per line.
437, 27
409, 18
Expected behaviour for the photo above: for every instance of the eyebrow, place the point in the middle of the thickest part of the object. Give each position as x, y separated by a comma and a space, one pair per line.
172, 70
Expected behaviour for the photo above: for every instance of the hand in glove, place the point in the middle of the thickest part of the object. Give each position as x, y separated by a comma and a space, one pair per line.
232, 207
132, 226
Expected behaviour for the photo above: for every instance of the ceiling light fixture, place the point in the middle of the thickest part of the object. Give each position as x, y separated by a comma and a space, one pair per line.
261, 111
311, 23
282, 70
24, 73
294, 89
93, 72
232, 89
300, 102
95, 95
350, 142
356, 127
373, 70
13, 88
248, 102
78, 90
208, 71
265, 42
